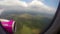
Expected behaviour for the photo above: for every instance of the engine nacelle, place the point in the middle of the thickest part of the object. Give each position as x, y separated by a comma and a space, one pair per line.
8, 25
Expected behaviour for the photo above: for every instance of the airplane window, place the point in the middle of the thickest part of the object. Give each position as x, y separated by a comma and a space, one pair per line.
31, 16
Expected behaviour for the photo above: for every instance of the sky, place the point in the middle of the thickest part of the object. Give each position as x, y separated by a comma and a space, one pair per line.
48, 6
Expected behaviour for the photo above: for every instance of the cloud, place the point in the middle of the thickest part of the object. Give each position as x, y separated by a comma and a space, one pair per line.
35, 5
13, 2
1, 10
38, 4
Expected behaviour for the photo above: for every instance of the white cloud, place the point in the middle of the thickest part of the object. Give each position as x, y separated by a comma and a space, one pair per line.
39, 4
13, 2
35, 5
1, 10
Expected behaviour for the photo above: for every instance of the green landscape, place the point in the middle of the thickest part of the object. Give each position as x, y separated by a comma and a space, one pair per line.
29, 24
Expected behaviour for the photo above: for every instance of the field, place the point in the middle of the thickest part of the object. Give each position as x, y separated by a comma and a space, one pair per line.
28, 24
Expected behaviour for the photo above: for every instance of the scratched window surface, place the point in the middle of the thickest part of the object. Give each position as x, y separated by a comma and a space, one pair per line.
31, 16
